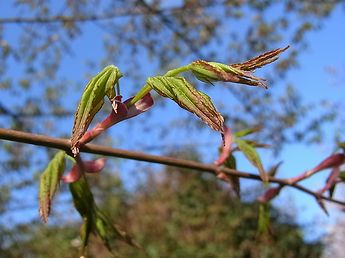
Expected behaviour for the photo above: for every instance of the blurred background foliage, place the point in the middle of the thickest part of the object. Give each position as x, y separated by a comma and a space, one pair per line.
49, 49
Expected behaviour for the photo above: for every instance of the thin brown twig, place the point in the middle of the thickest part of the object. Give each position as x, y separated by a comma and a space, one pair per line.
64, 144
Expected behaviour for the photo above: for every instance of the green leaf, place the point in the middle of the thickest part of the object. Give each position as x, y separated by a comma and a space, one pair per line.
247, 131
94, 220
49, 183
85, 230
255, 144
92, 100
187, 97
264, 218
233, 180
110, 233
84, 203
252, 156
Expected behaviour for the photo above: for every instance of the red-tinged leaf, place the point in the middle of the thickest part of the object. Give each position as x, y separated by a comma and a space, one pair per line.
212, 72
119, 113
189, 98
73, 175
260, 60
226, 148
273, 170
141, 106
248, 131
91, 102
322, 205
334, 160
94, 166
49, 183
269, 194
238, 73
253, 157
331, 181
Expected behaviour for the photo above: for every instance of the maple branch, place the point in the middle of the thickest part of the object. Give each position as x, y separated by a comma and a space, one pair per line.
65, 144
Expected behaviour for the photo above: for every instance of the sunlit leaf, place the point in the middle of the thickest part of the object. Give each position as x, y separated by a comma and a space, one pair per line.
261, 60
252, 156
187, 97
49, 183
92, 100
238, 73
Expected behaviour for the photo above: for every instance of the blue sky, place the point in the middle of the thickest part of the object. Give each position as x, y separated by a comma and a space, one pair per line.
314, 84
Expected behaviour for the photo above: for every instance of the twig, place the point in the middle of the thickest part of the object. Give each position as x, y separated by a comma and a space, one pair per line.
64, 144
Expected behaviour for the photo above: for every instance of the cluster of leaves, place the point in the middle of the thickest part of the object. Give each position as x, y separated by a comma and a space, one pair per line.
146, 30
248, 147
39, 39
170, 85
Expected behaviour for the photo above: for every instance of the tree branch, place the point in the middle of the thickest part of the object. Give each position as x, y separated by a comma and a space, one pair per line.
100, 17
165, 20
64, 144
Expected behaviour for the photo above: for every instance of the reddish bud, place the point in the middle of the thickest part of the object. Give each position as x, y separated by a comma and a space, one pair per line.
73, 175
119, 113
226, 148
332, 161
269, 194
93, 166
331, 181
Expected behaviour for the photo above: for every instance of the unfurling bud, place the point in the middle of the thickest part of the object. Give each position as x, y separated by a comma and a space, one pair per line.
238, 73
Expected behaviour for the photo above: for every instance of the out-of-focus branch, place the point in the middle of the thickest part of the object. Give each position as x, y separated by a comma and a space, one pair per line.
100, 17
64, 144
160, 14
